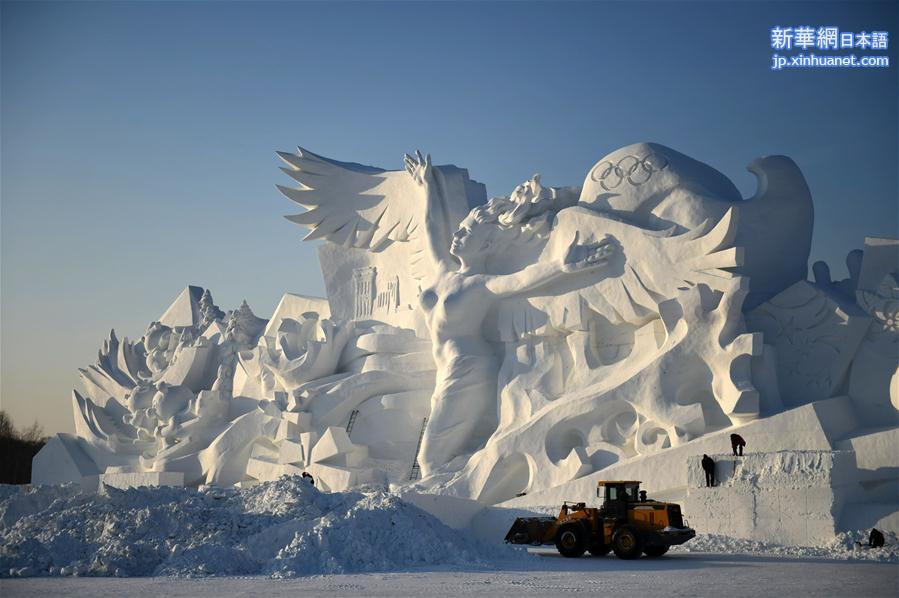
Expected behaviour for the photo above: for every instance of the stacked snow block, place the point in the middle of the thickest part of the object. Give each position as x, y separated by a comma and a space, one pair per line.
120, 478
332, 459
877, 470
662, 474
63, 459
286, 454
787, 497
337, 462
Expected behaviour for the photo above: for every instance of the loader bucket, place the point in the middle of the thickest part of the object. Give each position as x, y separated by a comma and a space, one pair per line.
532, 530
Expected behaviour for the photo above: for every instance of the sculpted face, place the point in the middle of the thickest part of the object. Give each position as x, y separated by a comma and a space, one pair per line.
527, 191
472, 237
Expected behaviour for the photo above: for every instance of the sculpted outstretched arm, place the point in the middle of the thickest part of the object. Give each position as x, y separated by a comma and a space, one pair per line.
436, 220
526, 279
577, 258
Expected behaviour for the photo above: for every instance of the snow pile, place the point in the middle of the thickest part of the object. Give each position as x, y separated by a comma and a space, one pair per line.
843, 547
282, 528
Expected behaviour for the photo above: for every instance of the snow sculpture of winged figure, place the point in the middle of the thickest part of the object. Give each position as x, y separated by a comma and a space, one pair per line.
458, 290
457, 301
618, 251
520, 342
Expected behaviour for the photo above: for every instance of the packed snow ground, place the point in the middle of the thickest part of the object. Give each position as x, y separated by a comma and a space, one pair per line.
848, 546
691, 574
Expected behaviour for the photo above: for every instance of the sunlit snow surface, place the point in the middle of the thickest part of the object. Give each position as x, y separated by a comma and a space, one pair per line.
283, 528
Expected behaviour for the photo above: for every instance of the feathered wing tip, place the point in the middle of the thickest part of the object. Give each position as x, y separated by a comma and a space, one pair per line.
705, 255
307, 161
348, 204
308, 170
723, 234
710, 250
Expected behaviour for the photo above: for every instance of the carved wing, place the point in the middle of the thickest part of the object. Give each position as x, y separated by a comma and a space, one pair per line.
647, 268
350, 204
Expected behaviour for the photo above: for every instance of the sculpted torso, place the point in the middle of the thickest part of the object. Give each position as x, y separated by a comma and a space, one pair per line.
455, 307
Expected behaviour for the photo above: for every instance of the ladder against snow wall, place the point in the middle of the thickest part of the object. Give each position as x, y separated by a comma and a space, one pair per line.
800, 498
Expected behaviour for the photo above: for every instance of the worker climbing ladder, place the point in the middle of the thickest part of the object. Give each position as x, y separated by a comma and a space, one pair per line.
352, 421
416, 468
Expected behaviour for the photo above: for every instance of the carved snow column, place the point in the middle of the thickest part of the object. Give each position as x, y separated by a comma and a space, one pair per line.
389, 299
363, 292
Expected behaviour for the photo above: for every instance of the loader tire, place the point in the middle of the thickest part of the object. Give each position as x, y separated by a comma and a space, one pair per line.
626, 543
571, 540
655, 551
600, 549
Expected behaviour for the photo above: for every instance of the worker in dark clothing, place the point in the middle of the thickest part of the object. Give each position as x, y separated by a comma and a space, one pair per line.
708, 465
737, 442
875, 540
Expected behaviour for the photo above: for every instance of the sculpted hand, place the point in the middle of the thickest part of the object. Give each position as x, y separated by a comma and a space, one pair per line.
580, 258
419, 168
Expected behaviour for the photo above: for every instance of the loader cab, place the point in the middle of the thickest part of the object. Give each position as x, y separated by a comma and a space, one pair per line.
616, 495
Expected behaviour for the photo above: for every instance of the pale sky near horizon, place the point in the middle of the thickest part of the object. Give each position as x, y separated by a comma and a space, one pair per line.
137, 139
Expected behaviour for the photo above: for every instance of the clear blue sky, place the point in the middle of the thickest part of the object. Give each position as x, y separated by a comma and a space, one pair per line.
138, 139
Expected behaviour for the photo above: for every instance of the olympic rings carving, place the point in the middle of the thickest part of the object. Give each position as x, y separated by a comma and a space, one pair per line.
632, 169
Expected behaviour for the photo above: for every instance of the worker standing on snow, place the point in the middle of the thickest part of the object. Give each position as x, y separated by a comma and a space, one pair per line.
737, 442
708, 465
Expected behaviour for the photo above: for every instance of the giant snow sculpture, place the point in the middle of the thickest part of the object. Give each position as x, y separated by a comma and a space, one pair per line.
492, 348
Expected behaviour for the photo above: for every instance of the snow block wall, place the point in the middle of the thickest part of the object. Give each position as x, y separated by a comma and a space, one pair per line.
788, 497
817, 426
877, 471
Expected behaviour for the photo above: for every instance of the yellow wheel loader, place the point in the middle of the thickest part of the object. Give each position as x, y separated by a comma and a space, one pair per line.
626, 523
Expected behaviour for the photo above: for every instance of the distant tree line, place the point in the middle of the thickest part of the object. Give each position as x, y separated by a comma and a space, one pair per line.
18, 448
